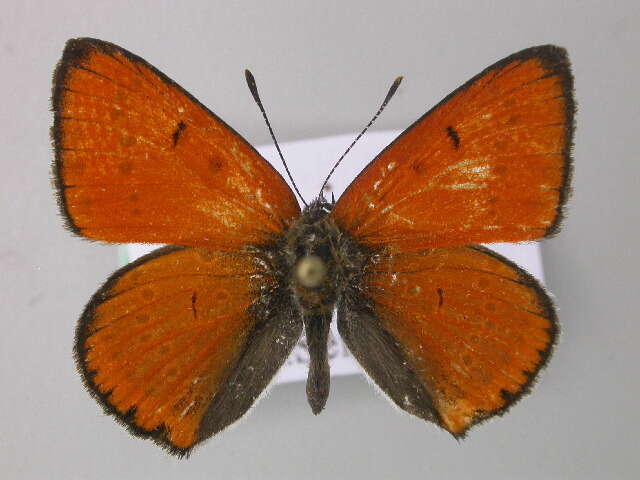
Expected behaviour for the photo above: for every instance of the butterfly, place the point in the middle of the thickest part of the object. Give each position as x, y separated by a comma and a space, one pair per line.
179, 344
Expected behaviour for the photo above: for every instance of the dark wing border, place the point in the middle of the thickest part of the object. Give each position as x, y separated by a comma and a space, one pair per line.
556, 60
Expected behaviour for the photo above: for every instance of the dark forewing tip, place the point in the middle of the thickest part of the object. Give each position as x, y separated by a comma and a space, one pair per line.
74, 52
556, 60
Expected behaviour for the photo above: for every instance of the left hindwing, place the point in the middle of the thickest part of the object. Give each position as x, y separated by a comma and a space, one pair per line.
177, 347
452, 335
490, 163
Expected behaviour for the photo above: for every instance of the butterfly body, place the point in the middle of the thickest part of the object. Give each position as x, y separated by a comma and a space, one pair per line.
316, 265
179, 344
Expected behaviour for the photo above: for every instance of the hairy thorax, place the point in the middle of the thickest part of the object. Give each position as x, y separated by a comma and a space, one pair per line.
321, 260
315, 261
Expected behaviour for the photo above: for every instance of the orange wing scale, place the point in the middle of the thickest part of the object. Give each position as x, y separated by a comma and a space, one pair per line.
473, 326
490, 163
140, 160
179, 315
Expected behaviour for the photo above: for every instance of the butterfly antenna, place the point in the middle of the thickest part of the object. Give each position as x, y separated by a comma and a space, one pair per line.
251, 83
390, 93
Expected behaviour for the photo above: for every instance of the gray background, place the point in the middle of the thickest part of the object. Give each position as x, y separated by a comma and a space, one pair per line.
322, 68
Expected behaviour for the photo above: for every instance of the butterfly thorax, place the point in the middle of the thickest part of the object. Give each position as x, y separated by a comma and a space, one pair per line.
314, 262
320, 259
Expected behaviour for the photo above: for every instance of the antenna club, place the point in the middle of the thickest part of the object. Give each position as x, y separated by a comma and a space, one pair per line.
392, 90
253, 88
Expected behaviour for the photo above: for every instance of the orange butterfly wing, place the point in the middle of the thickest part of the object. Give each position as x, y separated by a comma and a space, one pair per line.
471, 329
138, 159
490, 163
167, 342
455, 334
180, 343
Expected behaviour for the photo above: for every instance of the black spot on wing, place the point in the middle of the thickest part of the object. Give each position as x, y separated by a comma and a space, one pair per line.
178, 131
194, 298
453, 135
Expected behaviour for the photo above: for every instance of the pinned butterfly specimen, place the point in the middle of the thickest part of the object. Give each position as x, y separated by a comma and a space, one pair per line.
180, 343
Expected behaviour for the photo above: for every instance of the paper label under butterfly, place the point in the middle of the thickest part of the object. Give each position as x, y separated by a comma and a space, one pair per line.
304, 157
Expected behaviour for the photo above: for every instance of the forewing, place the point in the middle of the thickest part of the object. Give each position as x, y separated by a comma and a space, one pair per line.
177, 347
138, 159
490, 163
453, 335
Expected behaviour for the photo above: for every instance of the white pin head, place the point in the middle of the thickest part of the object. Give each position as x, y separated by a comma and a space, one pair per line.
310, 271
